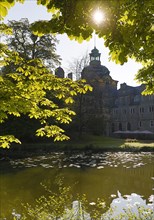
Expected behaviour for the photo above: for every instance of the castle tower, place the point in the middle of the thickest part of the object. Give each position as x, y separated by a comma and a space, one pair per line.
59, 72
70, 76
98, 103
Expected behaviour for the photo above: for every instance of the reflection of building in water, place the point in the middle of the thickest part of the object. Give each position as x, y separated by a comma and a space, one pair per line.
121, 111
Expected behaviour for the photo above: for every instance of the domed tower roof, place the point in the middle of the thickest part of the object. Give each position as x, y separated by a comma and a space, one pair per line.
95, 70
59, 72
95, 51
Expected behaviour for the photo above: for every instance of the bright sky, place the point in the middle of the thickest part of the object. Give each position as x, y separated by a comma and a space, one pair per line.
69, 50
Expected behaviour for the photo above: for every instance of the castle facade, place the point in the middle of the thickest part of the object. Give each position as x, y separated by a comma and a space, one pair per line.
123, 112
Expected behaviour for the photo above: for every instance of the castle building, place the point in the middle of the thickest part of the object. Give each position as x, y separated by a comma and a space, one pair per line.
133, 113
126, 111
123, 112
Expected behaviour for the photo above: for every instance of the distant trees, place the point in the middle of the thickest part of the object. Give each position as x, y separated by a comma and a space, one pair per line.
76, 66
30, 46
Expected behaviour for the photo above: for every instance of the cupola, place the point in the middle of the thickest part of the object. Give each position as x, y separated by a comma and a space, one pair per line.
95, 57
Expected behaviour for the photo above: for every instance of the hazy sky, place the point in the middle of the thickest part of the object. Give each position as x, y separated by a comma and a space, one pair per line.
68, 50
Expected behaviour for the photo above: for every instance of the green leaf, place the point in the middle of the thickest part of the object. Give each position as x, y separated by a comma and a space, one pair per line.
3, 11
69, 100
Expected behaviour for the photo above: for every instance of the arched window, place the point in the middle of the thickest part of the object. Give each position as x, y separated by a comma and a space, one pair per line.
128, 126
120, 126
140, 124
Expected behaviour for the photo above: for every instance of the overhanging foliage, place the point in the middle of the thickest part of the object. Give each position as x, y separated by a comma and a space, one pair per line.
25, 92
127, 30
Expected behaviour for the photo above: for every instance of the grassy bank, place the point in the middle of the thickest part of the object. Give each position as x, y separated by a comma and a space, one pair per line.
87, 143
90, 142
106, 143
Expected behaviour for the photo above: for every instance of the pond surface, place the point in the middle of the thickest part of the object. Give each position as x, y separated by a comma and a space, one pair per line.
96, 175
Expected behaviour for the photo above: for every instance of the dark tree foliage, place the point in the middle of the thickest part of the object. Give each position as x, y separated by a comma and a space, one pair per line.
30, 46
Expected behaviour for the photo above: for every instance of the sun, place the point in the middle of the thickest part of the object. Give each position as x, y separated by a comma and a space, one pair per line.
98, 16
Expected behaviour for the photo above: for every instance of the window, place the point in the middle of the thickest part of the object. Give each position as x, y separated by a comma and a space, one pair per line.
97, 58
132, 110
141, 110
151, 108
113, 127
151, 123
120, 127
128, 126
140, 124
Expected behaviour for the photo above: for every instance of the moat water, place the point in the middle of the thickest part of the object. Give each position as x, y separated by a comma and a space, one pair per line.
96, 175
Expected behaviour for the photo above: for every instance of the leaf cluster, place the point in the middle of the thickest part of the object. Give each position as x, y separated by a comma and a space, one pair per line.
31, 89
5, 5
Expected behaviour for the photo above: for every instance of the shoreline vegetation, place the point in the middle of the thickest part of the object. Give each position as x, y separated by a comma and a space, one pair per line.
88, 143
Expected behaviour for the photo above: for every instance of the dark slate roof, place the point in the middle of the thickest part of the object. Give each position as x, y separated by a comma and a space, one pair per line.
59, 69
95, 52
126, 89
93, 71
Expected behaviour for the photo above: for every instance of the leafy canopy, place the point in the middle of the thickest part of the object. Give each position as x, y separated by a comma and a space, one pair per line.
24, 91
127, 30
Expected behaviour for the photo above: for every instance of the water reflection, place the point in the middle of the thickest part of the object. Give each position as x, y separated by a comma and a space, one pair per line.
62, 160
96, 175
131, 207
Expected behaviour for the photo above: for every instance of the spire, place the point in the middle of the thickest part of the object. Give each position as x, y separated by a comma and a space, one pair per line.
94, 39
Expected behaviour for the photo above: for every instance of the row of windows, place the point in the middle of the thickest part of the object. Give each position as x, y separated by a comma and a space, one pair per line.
151, 123
127, 99
95, 58
128, 125
133, 110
